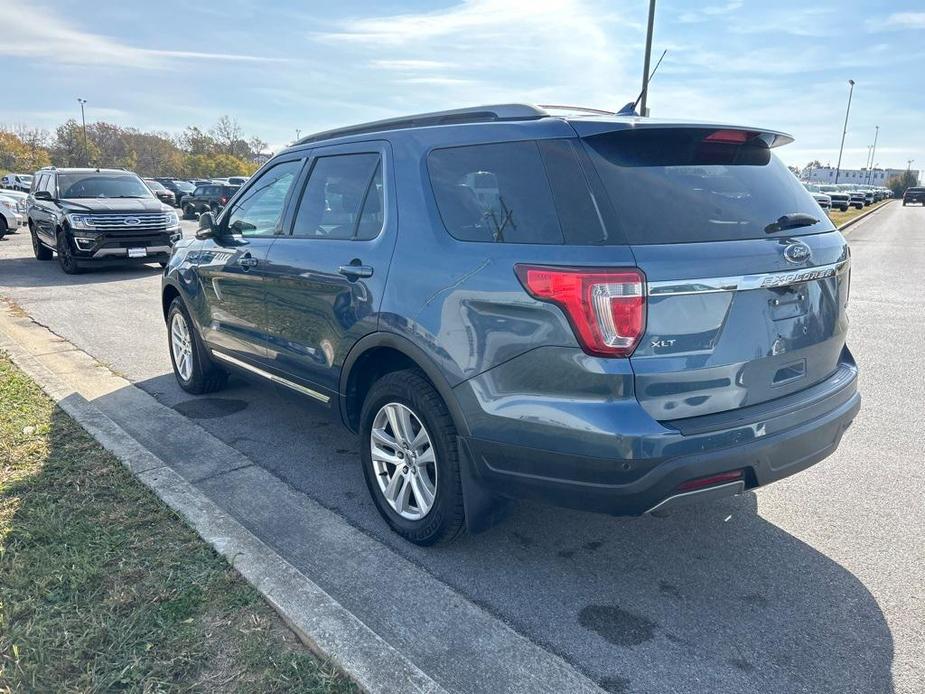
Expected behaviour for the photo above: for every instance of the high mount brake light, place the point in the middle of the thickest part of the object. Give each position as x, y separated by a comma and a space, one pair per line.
731, 137
606, 307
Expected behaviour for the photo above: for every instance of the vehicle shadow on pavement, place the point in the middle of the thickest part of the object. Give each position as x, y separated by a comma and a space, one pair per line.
710, 599
29, 272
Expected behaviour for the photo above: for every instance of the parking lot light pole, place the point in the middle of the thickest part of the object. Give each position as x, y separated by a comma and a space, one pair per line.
873, 153
648, 58
83, 119
845, 131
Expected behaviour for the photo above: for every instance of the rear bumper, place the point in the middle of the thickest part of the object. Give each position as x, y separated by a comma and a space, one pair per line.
775, 445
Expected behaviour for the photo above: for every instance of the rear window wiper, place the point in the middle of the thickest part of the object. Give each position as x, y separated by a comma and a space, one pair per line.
791, 221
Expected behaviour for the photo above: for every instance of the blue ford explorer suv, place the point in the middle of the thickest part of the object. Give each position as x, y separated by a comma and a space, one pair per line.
603, 311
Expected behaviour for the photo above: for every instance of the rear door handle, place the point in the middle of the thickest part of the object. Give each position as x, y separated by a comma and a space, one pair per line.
355, 271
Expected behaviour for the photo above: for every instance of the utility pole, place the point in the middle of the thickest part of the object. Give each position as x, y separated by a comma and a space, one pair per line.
845, 131
645, 68
83, 119
873, 154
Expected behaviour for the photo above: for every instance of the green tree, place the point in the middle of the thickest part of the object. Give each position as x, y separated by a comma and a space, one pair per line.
898, 184
19, 156
68, 148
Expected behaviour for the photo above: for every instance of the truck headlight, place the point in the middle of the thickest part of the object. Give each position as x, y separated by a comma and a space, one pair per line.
79, 221
172, 219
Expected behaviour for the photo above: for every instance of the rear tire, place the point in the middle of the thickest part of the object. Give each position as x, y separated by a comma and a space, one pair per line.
194, 369
412, 392
65, 257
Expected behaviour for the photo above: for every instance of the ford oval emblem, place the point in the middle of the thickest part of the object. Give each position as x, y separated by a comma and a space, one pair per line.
797, 252
132, 221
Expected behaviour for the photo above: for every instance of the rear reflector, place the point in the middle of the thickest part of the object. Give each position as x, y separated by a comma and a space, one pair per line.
702, 482
605, 307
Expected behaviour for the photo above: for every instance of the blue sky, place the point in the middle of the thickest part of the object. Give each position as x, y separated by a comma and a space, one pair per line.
281, 66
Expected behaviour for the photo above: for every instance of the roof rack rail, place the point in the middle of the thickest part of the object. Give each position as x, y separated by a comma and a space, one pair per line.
576, 109
475, 114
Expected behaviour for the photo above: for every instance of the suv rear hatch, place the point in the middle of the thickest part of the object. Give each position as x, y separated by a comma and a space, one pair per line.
747, 279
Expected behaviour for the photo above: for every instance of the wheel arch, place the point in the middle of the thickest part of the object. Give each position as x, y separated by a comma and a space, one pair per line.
380, 353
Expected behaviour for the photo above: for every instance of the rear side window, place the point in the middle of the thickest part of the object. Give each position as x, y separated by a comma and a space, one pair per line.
496, 192
515, 192
342, 199
684, 185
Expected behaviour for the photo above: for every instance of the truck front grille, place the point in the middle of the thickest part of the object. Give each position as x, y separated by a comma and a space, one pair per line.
142, 222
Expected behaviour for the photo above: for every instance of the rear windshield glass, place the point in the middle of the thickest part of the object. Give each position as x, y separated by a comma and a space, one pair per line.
101, 186
515, 192
691, 184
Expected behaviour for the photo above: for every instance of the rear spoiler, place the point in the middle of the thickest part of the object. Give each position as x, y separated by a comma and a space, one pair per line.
588, 128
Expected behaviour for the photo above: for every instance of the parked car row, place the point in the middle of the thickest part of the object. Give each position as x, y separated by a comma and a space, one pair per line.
12, 211
192, 195
844, 195
15, 181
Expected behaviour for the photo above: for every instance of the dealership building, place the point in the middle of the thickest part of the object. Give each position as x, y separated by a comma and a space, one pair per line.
826, 174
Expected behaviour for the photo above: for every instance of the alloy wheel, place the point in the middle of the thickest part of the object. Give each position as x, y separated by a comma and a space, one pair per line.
182, 346
404, 461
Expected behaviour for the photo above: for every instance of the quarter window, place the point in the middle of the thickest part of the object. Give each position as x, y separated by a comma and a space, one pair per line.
495, 192
259, 211
343, 199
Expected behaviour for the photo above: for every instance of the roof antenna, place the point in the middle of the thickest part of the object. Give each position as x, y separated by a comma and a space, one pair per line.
630, 108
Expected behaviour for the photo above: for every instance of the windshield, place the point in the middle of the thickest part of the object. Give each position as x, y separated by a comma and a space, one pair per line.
25, 179
101, 186
184, 186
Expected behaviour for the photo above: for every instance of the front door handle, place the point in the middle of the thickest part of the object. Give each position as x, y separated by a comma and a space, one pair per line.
247, 262
355, 271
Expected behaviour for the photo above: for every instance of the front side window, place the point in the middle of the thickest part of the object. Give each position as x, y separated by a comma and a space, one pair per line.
101, 186
259, 211
343, 199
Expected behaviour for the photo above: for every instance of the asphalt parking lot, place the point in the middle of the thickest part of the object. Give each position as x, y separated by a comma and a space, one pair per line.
815, 584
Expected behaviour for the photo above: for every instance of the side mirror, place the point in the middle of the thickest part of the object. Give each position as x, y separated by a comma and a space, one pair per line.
41, 195
207, 226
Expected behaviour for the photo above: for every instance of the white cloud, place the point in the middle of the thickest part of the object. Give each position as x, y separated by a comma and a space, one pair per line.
29, 31
905, 20
477, 50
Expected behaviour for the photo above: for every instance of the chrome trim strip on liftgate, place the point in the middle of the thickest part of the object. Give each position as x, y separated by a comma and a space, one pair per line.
271, 377
766, 280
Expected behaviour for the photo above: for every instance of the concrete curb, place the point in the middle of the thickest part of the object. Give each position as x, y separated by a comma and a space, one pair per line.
325, 578
326, 627
851, 222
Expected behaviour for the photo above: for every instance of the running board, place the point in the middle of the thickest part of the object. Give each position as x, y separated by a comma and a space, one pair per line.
706, 494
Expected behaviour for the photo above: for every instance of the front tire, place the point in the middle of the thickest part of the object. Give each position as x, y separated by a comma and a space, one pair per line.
3, 227
411, 460
189, 212
39, 249
65, 256
195, 371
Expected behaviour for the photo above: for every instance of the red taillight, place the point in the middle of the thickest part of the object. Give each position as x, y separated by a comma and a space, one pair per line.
702, 482
607, 308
